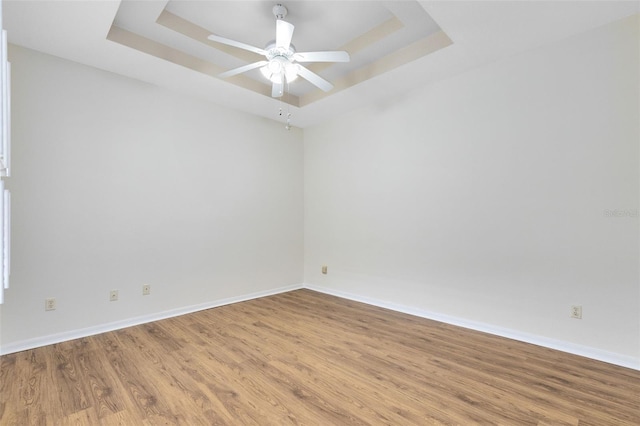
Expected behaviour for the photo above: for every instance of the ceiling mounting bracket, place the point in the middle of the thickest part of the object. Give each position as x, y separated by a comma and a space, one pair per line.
279, 11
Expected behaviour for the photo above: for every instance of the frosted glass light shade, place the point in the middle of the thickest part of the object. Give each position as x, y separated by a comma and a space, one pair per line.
278, 68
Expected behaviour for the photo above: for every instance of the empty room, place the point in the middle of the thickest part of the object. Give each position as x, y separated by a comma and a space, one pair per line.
319, 212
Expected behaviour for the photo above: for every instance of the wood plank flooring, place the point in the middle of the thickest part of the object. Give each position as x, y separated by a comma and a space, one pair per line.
307, 358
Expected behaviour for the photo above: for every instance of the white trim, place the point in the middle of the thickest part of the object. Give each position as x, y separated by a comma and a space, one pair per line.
6, 242
117, 325
572, 348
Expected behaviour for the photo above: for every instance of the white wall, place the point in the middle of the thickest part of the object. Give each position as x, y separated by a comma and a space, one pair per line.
117, 183
482, 198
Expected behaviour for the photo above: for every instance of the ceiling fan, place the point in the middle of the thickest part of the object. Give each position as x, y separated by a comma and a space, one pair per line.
282, 63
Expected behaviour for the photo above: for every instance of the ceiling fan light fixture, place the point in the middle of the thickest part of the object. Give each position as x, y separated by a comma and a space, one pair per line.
270, 75
291, 72
277, 68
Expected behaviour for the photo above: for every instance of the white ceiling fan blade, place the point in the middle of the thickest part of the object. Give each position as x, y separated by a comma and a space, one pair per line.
314, 78
277, 90
242, 69
284, 32
234, 43
338, 56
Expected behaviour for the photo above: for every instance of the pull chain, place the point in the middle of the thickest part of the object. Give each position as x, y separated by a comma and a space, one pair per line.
288, 126
280, 112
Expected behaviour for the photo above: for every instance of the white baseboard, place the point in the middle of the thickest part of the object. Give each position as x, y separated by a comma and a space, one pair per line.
586, 351
572, 348
117, 325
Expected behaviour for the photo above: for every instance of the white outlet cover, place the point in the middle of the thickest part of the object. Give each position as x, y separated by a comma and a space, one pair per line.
50, 304
576, 311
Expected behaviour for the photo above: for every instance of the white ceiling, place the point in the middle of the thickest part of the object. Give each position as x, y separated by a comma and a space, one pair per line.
480, 32
177, 31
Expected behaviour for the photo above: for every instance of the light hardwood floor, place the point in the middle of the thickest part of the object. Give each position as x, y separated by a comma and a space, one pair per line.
307, 358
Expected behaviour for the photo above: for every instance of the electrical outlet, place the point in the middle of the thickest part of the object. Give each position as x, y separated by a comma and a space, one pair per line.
146, 289
324, 269
576, 312
113, 295
50, 304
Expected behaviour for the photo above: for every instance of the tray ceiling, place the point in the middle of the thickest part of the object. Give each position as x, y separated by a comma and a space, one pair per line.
396, 45
379, 36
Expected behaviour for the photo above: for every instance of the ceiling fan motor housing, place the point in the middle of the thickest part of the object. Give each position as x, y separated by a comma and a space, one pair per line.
273, 51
